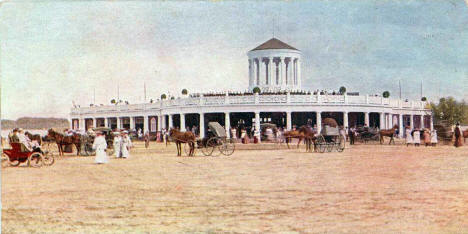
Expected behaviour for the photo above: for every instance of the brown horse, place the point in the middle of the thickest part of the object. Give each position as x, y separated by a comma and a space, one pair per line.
309, 137
465, 135
183, 137
34, 137
288, 135
388, 133
62, 140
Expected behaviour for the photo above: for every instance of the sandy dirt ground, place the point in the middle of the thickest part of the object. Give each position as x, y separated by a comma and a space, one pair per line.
366, 189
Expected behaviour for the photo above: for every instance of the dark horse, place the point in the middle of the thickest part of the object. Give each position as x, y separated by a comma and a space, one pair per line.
183, 137
309, 137
62, 140
388, 133
34, 137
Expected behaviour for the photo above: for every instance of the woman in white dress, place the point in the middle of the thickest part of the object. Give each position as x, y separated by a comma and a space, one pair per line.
100, 146
409, 138
126, 144
434, 137
117, 144
417, 137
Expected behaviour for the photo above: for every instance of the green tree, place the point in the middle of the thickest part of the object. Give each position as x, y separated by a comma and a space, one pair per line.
113, 101
184, 92
163, 96
342, 90
386, 94
448, 109
423, 99
256, 90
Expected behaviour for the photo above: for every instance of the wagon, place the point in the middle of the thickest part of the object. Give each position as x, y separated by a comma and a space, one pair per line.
215, 139
19, 154
329, 140
87, 141
366, 134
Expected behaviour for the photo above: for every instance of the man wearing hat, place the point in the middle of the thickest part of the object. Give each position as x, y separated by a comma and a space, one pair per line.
458, 136
100, 146
126, 144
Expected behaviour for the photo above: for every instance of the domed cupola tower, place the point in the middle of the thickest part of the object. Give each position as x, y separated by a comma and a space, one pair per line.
274, 66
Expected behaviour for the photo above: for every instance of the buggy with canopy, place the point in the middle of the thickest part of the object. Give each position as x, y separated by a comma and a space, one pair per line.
330, 137
216, 139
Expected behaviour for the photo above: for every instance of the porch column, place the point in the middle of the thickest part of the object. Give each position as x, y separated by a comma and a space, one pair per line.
400, 125
422, 122
345, 119
382, 120
202, 125
366, 119
432, 123
118, 123
159, 122
411, 122
106, 122
227, 124
94, 123
182, 122
170, 121
288, 121
132, 122
319, 121
257, 121
145, 124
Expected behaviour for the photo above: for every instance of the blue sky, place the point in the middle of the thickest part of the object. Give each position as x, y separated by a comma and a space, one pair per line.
53, 53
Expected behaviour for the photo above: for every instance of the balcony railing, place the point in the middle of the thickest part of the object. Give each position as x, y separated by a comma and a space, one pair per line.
252, 99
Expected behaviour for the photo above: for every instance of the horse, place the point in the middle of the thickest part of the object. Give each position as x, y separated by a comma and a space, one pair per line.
309, 137
293, 134
183, 137
34, 137
388, 133
465, 135
62, 140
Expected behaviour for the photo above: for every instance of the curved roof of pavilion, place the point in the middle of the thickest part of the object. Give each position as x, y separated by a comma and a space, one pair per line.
274, 43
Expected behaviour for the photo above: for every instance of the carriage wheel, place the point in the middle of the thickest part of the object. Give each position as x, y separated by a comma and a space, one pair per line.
321, 144
35, 160
227, 147
89, 149
5, 160
341, 144
110, 151
208, 148
48, 159
213, 143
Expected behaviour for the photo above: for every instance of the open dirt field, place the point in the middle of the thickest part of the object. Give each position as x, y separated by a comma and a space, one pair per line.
366, 189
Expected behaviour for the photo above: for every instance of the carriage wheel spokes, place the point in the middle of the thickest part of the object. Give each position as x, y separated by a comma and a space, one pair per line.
208, 148
35, 160
227, 147
5, 160
321, 144
214, 143
48, 159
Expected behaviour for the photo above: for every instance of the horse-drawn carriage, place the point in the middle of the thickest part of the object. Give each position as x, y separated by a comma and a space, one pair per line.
329, 139
20, 154
88, 140
366, 134
216, 139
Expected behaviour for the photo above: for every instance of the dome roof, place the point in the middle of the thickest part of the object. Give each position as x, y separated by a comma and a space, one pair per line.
274, 43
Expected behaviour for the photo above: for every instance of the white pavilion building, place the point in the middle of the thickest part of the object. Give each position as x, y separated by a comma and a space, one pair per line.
275, 68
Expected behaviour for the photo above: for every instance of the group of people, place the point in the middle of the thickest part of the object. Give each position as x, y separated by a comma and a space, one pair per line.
122, 144
420, 136
18, 136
